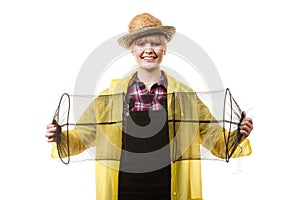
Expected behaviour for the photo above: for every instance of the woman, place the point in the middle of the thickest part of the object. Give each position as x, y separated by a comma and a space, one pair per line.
136, 160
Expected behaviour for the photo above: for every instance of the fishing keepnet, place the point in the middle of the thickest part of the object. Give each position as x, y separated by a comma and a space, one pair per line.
201, 125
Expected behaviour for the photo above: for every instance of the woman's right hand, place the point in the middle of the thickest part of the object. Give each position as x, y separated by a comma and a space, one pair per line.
51, 132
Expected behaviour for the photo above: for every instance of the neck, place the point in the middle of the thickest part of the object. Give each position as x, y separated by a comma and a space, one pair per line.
149, 77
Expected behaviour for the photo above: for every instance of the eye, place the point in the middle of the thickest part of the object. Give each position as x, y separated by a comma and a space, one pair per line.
156, 44
140, 44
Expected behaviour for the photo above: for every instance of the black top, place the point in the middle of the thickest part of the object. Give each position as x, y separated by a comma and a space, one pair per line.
145, 171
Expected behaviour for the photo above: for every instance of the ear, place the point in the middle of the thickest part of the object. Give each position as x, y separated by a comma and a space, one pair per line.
164, 51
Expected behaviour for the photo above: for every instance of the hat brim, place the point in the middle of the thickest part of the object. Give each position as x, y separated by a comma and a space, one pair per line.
126, 40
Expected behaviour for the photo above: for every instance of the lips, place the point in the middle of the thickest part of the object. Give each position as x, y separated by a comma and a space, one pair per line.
149, 58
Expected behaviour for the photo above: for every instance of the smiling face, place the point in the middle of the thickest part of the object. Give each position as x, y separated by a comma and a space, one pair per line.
149, 51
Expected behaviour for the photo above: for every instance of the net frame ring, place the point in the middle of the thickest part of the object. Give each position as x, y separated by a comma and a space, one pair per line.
58, 122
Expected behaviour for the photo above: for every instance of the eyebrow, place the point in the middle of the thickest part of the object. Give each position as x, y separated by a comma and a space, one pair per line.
153, 37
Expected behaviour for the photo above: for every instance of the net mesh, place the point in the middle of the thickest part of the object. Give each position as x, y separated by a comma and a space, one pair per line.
201, 125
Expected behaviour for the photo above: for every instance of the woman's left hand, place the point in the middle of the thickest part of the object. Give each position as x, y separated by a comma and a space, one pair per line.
246, 126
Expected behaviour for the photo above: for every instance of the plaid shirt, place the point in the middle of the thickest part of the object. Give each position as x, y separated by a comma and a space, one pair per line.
140, 99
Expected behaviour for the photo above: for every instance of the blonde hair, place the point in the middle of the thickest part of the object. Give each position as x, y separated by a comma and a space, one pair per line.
158, 38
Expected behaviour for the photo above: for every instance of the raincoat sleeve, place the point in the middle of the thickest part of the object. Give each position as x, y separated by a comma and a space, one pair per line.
81, 137
212, 136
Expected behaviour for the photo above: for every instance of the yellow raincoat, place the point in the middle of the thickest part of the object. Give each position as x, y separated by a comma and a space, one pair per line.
186, 178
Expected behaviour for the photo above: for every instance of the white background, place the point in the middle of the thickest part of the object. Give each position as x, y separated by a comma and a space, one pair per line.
255, 46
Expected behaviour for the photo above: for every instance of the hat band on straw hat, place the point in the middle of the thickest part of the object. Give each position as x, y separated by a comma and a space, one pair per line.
145, 24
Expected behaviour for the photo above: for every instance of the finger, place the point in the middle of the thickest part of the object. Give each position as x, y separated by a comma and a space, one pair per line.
51, 139
51, 130
245, 130
244, 113
245, 116
249, 119
50, 126
246, 126
248, 122
245, 134
50, 134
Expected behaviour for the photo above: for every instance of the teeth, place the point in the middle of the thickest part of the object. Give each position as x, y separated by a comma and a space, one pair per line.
148, 58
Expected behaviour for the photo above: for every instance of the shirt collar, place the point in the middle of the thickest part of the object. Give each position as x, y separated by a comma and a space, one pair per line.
162, 80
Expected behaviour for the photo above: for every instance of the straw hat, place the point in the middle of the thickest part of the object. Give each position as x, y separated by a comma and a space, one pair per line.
145, 24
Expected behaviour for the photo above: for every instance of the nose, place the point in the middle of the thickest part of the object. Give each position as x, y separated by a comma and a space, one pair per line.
148, 49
